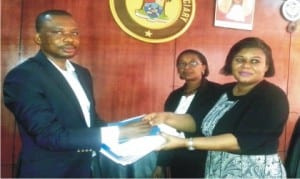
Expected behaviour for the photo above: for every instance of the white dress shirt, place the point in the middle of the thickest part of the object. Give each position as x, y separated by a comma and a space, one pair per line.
184, 104
74, 83
110, 133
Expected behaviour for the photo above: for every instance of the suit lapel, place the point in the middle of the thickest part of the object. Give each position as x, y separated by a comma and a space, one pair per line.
82, 77
57, 79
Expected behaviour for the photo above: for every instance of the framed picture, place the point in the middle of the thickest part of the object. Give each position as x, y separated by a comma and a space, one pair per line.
236, 14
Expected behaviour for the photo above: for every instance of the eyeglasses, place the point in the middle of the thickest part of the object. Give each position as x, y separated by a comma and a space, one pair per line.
191, 64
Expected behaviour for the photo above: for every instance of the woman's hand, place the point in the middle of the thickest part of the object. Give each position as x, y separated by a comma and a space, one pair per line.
157, 118
173, 142
181, 122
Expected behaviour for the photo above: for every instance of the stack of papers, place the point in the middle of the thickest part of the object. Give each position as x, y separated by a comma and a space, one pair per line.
132, 150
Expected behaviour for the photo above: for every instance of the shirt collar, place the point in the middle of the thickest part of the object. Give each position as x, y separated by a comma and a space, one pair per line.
68, 64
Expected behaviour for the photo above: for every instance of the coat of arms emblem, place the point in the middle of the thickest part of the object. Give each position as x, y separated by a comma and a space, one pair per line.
153, 21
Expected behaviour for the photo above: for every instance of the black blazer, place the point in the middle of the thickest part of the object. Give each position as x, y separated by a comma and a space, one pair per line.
56, 141
207, 94
184, 163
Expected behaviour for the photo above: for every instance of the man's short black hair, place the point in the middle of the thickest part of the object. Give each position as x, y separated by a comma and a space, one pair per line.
41, 18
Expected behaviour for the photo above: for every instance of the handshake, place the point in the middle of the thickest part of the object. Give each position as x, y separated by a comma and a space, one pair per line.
137, 137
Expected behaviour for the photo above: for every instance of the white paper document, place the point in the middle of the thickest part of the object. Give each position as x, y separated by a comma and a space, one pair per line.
132, 150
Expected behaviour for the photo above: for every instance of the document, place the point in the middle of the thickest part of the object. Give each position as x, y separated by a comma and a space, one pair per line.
129, 151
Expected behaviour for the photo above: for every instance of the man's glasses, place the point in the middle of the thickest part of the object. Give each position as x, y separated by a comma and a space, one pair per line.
191, 64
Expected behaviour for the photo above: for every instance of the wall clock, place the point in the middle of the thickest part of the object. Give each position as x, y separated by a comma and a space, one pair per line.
291, 10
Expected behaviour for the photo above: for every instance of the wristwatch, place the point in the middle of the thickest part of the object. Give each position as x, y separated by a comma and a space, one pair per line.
190, 144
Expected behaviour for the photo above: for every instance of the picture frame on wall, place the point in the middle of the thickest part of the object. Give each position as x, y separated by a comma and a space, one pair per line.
236, 14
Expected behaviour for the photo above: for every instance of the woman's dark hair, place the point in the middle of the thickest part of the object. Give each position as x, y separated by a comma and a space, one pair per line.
42, 17
249, 42
200, 56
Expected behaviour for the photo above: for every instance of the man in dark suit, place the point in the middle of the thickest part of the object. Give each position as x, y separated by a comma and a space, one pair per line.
52, 101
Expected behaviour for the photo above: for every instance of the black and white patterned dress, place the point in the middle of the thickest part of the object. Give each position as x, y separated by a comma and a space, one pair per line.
231, 115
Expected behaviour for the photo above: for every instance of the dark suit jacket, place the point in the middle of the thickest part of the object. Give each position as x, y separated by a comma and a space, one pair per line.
292, 162
185, 163
56, 141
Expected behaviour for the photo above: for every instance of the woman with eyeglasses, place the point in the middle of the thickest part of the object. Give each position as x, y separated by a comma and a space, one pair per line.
242, 130
195, 97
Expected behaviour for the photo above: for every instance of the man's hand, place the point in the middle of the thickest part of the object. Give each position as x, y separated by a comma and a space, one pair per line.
134, 130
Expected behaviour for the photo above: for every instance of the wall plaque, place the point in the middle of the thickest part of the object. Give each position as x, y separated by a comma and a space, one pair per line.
153, 21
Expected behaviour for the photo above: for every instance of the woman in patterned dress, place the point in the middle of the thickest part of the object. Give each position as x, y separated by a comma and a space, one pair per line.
242, 130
